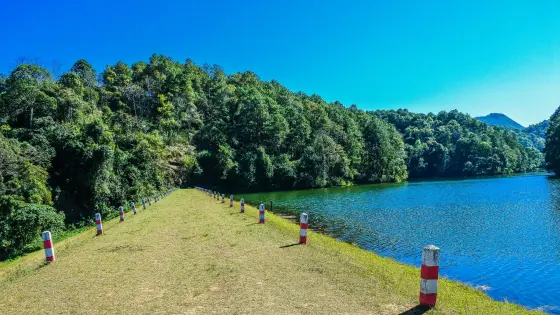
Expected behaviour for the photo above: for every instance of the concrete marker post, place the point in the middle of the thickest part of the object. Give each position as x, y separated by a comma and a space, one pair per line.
149, 201
143, 204
98, 224
48, 246
242, 205
231, 201
303, 220
133, 207
121, 214
261, 213
223, 198
429, 275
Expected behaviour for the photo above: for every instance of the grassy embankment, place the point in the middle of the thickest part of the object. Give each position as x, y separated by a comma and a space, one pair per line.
189, 254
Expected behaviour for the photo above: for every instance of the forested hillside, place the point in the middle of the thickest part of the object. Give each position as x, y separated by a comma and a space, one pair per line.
534, 135
552, 148
85, 142
455, 144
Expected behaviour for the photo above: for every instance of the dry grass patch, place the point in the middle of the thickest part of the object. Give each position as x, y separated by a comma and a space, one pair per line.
190, 254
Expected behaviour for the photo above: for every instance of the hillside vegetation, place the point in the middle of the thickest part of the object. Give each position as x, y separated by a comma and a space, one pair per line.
552, 148
189, 254
81, 143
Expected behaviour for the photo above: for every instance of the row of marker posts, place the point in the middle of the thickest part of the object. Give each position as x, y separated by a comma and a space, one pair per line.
47, 236
429, 271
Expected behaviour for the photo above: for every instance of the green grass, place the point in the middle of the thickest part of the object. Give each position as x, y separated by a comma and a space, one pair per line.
191, 254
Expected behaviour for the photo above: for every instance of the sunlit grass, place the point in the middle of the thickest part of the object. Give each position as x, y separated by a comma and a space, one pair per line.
191, 254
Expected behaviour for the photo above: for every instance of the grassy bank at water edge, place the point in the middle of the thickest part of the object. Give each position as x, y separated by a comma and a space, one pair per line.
190, 254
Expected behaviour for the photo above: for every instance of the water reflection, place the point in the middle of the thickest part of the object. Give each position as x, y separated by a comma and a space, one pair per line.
500, 234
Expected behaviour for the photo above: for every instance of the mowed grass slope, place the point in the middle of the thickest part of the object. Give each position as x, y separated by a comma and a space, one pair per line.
190, 254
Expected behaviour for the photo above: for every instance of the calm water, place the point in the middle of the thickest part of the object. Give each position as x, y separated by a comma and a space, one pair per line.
500, 235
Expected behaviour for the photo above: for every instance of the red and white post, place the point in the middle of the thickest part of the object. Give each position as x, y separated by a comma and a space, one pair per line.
261, 213
98, 224
223, 198
121, 214
429, 275
143, 204
242, 205
303, 219
231, 201
133, 207
48, 245
149, 201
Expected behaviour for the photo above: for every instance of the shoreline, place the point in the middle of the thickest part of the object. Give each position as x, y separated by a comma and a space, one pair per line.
205, 254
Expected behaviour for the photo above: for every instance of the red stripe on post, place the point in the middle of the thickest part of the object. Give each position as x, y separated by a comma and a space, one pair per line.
429, 273
303, 226
97, 221
47, 244
428, 299
50, 258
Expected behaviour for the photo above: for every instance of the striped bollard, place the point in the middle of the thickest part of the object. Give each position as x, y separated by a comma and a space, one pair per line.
429, 275
231, 201
98, 224
303, 219
121, 214
223, 198
155, 198
242, 205
133, 207
48, 245
149, 201
261, 213
143, 204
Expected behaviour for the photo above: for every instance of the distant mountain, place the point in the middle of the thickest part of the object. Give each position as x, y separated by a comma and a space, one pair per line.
496, 119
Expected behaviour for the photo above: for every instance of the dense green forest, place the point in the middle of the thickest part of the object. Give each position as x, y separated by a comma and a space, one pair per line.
455, 144
552, 147
84, 142
534, 135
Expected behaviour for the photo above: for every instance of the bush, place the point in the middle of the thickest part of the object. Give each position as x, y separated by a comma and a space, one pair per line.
22, 223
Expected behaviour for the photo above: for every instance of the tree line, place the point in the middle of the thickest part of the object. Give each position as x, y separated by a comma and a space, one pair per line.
85, 142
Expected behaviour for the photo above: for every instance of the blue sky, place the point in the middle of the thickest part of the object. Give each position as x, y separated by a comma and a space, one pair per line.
475, 56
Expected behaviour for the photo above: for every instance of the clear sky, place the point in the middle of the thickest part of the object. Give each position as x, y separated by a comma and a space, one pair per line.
475, 56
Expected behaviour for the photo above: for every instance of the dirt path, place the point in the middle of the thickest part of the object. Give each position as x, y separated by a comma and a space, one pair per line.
189, 254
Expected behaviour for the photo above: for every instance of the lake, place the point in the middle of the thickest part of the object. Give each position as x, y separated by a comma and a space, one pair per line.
500, 235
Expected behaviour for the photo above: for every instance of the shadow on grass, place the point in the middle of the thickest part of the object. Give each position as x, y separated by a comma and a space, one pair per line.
290, 245
417, 310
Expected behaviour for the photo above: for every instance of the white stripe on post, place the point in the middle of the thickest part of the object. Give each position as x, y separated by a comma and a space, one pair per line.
429, 275
303, 219
242, 205
261, 213
231, 201
98, 224
121, 214
48, 246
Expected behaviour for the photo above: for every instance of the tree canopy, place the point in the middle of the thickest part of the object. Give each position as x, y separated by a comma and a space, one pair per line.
86, 143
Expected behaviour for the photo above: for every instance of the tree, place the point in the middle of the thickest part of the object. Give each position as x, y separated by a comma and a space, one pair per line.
552, 147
